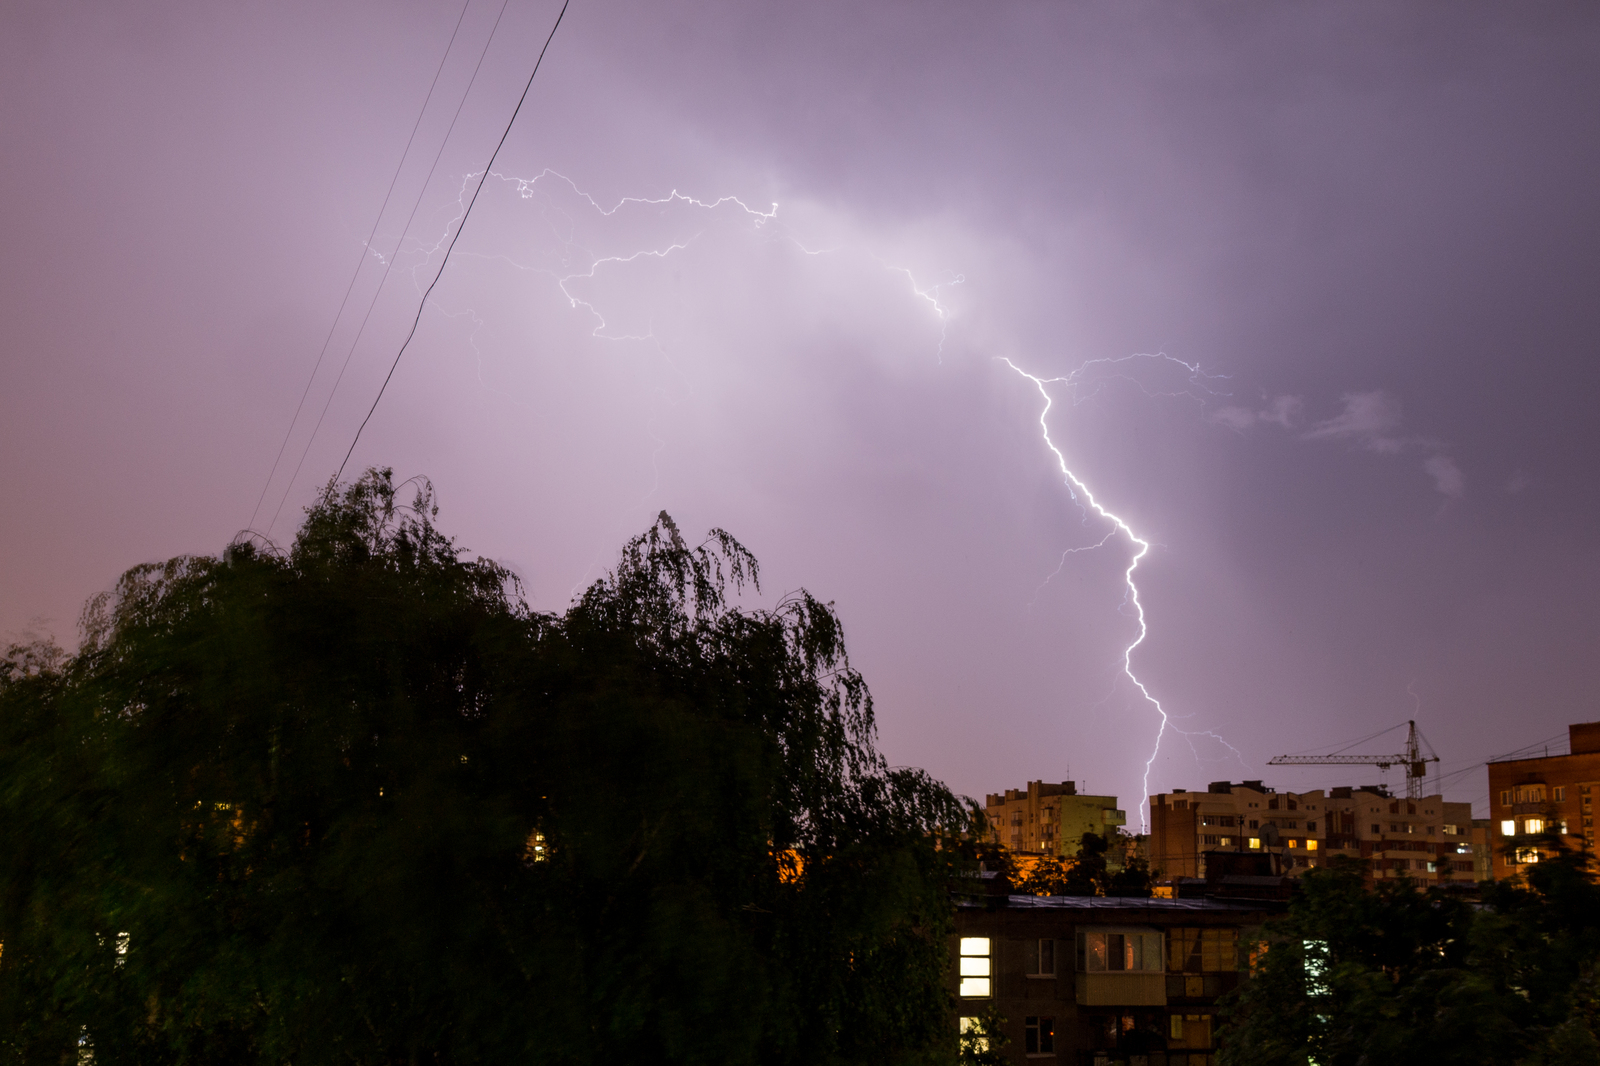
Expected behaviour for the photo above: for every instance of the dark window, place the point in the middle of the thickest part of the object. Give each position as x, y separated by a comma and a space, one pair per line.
1041, 957
1039, 1036
1377, 828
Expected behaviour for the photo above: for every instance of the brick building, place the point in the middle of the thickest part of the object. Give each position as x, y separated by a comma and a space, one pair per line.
1530, 797
1094, 981
1050, 819
1428, 839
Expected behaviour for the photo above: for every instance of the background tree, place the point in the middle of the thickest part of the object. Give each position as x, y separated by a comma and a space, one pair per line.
1391, 974
358, 803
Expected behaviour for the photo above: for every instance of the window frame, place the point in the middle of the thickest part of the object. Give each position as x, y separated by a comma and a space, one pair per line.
1193, 940
970, 951
1039, 1036
1036, 952
1147, 935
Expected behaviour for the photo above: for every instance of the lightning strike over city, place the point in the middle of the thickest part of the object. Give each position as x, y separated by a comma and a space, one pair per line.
594, 494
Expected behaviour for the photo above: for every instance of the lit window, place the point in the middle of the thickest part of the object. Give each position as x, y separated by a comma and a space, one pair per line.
1255, 842
1508, 828
1102, 952
1452, 831
979, 1040
1039, 1036
1534, 825
975, 977
1311, 845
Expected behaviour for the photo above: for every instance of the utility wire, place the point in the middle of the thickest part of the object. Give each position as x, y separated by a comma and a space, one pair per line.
1348, 745
387, 267
365, 249
459, 229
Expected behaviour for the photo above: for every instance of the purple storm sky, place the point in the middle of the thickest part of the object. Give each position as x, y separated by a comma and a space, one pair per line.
1373, 227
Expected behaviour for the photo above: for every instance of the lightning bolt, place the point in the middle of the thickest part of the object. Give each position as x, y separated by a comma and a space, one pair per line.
1083, 495
580, 264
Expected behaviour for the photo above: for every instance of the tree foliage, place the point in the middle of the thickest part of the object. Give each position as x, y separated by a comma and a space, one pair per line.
1088, 873
1392, 974
356, 802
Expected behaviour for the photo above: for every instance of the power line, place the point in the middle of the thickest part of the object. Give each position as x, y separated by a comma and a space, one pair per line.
387, 267
365, 248
459, 230
1350, 744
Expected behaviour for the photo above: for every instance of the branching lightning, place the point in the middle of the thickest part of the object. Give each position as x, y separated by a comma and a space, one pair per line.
577, 264
1082, 494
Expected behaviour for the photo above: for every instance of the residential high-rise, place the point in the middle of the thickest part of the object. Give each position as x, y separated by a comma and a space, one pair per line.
1050, 819
1428, 839
1530, 797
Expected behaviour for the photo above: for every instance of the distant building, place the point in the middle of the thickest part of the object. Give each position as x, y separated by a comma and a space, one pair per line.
1097, 980
1482, 849
1428, 839
1530, 797
1050, 819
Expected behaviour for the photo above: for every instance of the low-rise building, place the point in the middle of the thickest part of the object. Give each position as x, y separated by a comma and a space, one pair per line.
1050, 819
1095, 981
1534, 796
1427, 839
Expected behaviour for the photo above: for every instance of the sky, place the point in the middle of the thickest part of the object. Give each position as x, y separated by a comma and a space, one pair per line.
1311, 289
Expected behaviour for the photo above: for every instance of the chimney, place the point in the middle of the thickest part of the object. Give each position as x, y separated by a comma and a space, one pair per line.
1584, 738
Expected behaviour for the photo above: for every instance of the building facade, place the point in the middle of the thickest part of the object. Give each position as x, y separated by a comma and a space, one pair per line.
1097, 981
1427, 840
1050, 819
1551, 793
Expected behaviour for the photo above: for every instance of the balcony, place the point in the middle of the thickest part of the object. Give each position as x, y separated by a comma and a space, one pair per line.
1200, 986
1135, 989
1113, 816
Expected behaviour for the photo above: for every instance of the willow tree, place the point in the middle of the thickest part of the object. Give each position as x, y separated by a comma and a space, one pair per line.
356, 802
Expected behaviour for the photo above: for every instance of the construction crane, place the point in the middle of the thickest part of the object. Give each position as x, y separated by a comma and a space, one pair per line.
1415, 763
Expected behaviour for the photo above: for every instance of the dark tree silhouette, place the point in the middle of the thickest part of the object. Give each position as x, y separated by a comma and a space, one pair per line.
1392, 974
357, 803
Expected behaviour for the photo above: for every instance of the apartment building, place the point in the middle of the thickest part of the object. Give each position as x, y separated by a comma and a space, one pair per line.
1097, 981
1428, 839
1050, 818
1530, 797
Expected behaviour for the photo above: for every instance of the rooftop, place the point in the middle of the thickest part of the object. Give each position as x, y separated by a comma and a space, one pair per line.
1115, 903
